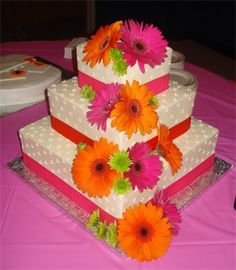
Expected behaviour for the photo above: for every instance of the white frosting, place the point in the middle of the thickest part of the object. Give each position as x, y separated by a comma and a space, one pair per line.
66, 104
28, 88
106, 74
56, 153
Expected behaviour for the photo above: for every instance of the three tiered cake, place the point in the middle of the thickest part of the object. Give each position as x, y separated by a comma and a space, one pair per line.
120, 141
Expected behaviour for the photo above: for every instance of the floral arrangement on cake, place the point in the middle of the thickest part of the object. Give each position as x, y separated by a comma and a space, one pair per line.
132, 108
144, 232
100, 169
125, 44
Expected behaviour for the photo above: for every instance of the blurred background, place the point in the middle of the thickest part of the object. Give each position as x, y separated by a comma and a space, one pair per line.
194, 28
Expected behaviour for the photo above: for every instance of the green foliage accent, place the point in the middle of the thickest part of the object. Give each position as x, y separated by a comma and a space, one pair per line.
120, 161
119, 64
101, 230
115, 55
112, 235
87, 92
122, 186
81, 146
154, 101
120, 68
93, 221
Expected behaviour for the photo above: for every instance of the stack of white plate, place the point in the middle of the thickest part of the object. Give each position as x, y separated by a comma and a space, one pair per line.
184, 77
178, 74
23, 83
177, 60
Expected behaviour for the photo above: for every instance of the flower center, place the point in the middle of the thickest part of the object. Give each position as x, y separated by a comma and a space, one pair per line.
110, 104
104, 44
134, 108
145, 232
17, 72
99, 166
137, 167
139, 46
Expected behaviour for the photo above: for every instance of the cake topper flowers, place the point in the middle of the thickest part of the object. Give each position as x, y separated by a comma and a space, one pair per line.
142, 43
133, 112
125, 44
98, 47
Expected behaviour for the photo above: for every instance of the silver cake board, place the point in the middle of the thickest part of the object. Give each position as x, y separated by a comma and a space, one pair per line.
181, 199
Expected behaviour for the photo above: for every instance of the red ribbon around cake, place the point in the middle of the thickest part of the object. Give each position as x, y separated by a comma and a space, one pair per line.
77, 137
157, 85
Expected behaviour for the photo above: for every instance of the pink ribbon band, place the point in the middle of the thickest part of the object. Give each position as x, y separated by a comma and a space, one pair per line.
157, 85
67, 190
188, 178
88, 205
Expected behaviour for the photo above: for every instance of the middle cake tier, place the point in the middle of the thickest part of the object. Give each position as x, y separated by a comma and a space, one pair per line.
69, 114
51, 155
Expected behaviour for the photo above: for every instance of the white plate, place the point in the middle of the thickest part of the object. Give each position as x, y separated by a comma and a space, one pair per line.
177, 60
184, 77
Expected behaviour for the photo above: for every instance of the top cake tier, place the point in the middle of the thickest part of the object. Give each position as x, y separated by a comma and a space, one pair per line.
125, 51
156, 77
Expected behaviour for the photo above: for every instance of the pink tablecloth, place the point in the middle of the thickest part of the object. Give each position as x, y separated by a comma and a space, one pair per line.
37, 235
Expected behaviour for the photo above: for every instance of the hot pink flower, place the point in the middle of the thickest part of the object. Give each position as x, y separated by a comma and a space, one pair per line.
142, 43
170, 209
145, 170
103, 104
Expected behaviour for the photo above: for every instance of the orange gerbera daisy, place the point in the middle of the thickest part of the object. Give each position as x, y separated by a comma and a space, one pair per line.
90, 170
18, 73
98, 47
134, 111
168, 149
144, 233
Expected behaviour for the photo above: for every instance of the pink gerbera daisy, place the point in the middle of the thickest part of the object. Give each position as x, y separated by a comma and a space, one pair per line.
145, 169
170, 210
103, 104
142, 43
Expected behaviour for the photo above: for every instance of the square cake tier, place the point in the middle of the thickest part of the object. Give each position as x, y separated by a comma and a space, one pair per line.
105, 74
68, 111
50, 155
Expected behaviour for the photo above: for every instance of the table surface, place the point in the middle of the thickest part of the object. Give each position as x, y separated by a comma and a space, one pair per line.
37, 235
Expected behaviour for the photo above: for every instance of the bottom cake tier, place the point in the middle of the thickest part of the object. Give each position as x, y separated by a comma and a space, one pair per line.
50, 155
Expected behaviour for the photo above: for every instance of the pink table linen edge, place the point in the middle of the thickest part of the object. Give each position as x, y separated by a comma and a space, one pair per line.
37, 235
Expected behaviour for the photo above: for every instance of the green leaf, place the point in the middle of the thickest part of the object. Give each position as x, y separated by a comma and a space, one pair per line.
115, 55
122, 186
93, 220
154, 101
81, 146
120, 68
87, 92
120, 161
112, 235
101, 230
